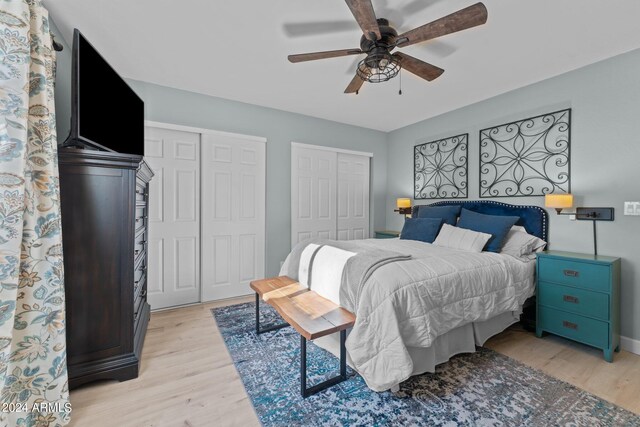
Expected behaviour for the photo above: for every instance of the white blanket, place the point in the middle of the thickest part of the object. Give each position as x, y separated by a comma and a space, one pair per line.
411, 303
326, 275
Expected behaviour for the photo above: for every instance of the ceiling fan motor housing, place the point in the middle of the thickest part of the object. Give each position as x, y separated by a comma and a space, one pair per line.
387, 40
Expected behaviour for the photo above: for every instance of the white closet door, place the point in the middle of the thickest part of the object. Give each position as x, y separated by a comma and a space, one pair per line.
233, 215
353, 197
313, 194
174, 217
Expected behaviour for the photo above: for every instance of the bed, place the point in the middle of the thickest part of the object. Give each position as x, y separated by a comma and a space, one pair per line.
414, 314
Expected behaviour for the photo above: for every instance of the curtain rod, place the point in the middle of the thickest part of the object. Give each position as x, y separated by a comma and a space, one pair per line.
56, 46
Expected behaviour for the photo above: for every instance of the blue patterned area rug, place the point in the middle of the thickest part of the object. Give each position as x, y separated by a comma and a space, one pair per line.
480, 389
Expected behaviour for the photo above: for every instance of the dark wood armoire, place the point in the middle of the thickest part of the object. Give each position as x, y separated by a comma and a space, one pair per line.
104, 201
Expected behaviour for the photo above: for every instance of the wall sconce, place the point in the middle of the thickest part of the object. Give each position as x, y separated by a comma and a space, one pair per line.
563, 201
403, 207
559, 202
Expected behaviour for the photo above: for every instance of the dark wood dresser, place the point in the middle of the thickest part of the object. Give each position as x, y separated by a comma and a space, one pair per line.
104, 201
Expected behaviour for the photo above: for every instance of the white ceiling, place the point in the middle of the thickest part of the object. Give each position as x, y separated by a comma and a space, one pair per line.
237, 49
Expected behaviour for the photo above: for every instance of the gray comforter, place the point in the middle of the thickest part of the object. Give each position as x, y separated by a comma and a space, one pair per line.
410, 303
357, 270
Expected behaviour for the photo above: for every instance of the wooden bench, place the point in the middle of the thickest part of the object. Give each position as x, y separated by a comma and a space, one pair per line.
311, 315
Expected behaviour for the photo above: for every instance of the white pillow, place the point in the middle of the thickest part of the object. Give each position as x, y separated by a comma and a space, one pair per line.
519, 243
461, 238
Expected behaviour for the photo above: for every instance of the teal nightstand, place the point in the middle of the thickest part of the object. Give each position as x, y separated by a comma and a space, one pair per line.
578, 297
386, 234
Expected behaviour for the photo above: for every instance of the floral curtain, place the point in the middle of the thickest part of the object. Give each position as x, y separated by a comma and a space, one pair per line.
33, 372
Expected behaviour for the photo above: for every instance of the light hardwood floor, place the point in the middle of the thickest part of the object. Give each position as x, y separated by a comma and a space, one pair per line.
187, 377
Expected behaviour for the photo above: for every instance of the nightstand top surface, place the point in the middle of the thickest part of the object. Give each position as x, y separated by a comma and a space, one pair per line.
580, 256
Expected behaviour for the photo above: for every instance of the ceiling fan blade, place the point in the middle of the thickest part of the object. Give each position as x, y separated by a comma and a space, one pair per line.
323, 55
463, 19
363, 12
419, 68
354, 85
314, 28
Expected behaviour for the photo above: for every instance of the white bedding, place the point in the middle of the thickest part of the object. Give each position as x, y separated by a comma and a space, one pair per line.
408, 304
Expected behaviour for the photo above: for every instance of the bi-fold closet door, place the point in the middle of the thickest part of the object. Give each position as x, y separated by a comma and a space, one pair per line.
207, 215
329, 193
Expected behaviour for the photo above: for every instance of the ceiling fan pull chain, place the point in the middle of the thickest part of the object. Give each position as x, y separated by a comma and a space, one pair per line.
400, 75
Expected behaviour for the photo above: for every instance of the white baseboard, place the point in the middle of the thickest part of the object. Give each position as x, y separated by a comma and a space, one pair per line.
630, 345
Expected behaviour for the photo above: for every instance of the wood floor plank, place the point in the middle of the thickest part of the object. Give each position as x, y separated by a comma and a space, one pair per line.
188, 379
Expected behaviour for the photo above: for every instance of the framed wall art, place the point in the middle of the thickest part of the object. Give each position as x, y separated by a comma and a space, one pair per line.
529, 157
440, 168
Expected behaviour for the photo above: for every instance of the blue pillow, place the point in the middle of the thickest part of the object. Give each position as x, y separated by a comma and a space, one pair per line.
449, 214
422, 229
496, 225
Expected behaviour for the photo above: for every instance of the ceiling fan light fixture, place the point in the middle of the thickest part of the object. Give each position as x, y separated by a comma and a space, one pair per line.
378, 67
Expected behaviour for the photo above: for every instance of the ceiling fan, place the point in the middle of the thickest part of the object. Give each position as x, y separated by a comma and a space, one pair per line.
379, 39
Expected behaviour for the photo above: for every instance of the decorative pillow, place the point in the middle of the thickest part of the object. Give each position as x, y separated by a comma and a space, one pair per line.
461, 238
519, 243
449, 214
496, 225
422, 229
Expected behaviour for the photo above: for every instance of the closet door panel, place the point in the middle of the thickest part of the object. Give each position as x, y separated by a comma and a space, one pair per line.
313, 194
174, 217
353, 196
233, 215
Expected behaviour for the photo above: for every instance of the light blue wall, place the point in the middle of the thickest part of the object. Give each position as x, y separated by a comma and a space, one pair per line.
605, 158
605, 98
169, 105
164, 104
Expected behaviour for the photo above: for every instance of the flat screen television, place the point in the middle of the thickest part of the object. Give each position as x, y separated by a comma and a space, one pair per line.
106, 113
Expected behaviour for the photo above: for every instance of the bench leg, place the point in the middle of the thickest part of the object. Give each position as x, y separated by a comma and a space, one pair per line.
268, 328
306, 392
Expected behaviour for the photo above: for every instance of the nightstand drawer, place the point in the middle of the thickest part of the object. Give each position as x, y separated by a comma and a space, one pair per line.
574, 326
574, 300
573, 273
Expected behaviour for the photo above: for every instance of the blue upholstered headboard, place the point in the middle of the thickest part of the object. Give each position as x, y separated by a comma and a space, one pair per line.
533, 218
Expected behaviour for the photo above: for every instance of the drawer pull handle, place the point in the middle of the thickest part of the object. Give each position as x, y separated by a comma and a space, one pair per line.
570, 298
571, 273
143, 293
136, 252
570, 325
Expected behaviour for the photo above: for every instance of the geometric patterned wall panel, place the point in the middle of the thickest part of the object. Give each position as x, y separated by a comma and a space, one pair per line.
440, 168
528, 157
